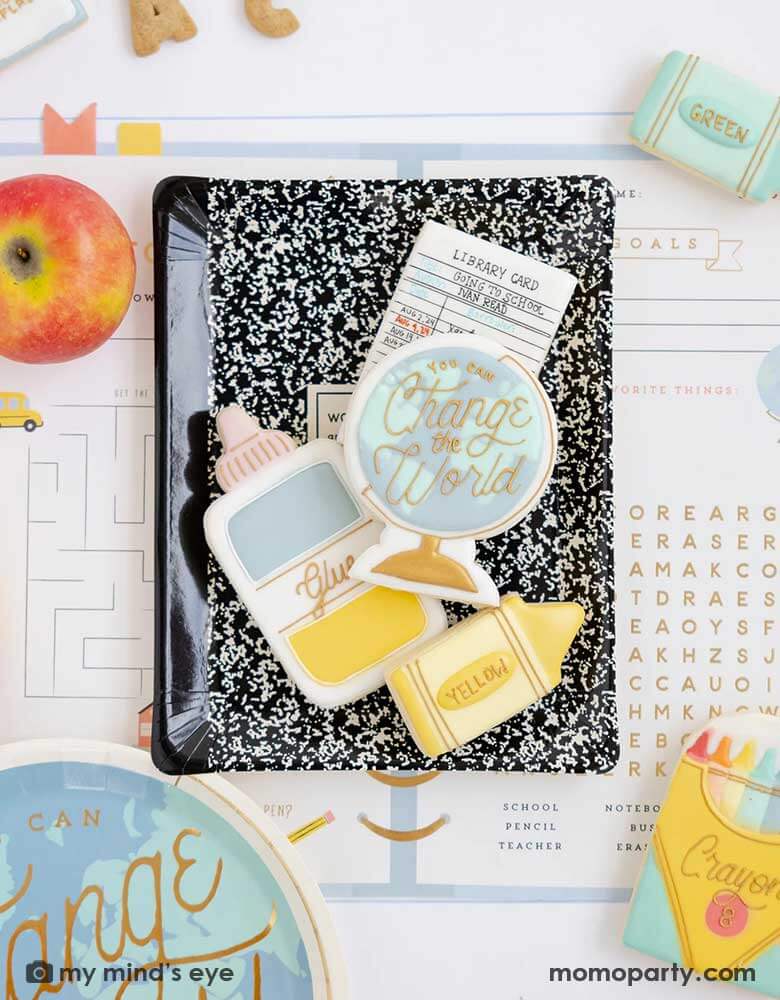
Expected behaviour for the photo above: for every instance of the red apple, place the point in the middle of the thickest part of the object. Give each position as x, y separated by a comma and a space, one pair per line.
67, 269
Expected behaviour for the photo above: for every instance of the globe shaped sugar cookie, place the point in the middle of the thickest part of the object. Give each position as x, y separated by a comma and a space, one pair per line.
446, 441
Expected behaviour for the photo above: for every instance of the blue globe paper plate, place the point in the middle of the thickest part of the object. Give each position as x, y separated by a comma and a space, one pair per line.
115, 880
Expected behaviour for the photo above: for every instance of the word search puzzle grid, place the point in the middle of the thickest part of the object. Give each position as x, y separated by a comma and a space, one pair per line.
702, 589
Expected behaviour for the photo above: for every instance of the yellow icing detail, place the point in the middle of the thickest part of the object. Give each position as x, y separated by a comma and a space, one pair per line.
426, 564
418, 719
477, 680
534, 638
548, 629
746, 758
359, 634
701, 852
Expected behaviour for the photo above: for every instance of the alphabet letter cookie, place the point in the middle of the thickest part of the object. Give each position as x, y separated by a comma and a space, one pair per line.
270, 21
156, 21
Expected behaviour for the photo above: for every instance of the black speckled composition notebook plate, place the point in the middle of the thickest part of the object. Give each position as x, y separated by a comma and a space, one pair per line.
264, 288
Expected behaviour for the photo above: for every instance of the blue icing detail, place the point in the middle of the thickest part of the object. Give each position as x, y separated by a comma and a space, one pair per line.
100, 855
293, 516
500, 426
713, 119
755, 802
650, 926
767, 970
771, 819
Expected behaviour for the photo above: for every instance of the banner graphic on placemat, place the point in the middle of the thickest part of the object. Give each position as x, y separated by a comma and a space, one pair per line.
637, 243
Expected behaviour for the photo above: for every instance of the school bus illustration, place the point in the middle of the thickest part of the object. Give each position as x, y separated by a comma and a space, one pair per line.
15, 412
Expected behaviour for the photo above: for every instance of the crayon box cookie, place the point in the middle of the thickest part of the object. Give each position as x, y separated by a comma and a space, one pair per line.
708, 897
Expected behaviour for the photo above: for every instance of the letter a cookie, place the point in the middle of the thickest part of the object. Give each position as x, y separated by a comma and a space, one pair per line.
156, 21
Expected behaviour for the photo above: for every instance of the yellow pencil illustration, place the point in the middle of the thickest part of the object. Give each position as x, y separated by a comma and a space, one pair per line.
309, 828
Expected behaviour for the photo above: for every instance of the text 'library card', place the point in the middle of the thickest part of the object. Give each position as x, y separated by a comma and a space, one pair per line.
457, 283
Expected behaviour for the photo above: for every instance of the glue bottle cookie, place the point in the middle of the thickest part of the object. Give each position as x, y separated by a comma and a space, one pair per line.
286, 533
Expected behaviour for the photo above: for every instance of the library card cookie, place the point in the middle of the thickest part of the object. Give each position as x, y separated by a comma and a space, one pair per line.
447, 440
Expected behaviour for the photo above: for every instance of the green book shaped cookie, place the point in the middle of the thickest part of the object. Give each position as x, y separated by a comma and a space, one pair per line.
713, 124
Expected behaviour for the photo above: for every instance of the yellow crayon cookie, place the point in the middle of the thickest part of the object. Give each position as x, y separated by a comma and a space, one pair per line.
483, 671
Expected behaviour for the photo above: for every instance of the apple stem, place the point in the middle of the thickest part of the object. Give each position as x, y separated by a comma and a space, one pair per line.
23, 253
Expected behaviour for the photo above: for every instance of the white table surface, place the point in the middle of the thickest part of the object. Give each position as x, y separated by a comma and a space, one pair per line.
411, 70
